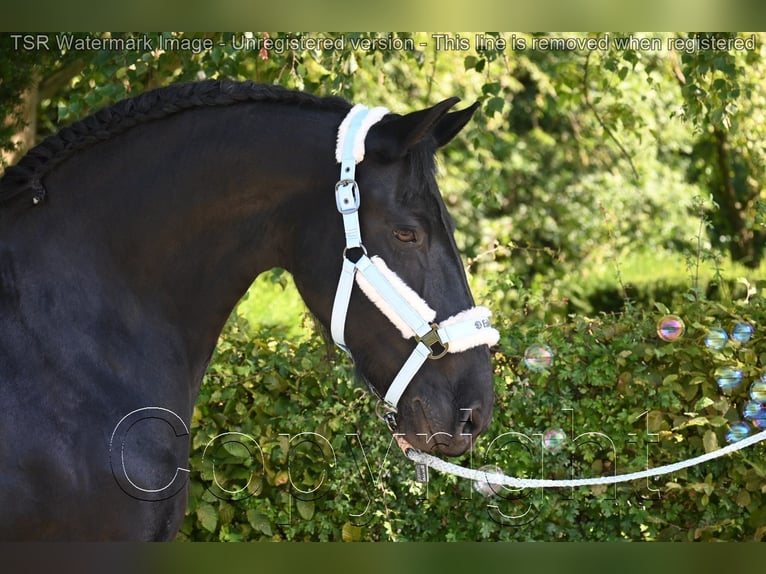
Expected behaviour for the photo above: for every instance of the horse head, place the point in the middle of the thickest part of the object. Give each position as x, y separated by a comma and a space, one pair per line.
405, 245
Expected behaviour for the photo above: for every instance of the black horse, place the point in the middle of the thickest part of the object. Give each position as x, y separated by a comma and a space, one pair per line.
125, 241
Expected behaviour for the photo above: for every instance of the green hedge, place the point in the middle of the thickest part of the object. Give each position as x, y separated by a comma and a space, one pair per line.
326, 471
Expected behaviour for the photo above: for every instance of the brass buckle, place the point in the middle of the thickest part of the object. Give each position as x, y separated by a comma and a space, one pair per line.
433, 341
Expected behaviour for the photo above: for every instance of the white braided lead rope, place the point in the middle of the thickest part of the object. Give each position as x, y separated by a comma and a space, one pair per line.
502, 480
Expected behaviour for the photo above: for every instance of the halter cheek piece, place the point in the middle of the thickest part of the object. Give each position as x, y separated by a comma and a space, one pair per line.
403, 307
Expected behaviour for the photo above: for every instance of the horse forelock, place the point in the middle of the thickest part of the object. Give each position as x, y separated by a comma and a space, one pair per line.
26, 176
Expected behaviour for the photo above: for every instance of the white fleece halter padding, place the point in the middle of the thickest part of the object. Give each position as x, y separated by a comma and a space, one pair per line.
415, 300
467, 329
481, 334
373, 116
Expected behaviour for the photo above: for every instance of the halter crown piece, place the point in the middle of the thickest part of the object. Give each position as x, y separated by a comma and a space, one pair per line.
397, 301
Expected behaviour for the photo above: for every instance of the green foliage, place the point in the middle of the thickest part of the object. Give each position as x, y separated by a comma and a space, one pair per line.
724, 97
632, 398
559, 131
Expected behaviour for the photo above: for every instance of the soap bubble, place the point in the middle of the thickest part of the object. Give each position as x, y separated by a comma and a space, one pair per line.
737, 431
753, 410
742, 332
758, 390
716, 339
538, 358
484, 487
553, 439
728, 378
670, 328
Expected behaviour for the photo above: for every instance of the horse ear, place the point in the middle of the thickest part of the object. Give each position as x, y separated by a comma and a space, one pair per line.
393, 137
449, 126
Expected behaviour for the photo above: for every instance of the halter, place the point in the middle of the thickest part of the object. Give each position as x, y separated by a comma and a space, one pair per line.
398, 302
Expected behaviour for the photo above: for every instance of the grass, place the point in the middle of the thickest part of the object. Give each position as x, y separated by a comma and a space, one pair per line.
642, 269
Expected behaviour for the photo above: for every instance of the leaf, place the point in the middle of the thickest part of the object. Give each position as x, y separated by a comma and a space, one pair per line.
654, 421
661, 308
281, 478
207, 516
259, 521
305, 508
622, 73
670, 379
491, 88
703, 403
351, 533
495, 105
350, 65
742, 498
718, 421
710, 441
226, 513
693, 422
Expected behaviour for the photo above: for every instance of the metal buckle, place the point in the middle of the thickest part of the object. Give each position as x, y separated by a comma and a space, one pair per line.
347, 196
433, 341
386, 413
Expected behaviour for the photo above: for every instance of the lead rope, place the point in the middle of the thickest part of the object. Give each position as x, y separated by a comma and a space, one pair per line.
421, 458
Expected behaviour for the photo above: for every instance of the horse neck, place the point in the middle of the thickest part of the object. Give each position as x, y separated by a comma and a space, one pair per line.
198, 204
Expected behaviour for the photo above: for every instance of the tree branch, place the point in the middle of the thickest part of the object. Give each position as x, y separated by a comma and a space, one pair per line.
600, 121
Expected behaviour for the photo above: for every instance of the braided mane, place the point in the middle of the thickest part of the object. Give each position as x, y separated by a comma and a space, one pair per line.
25, 177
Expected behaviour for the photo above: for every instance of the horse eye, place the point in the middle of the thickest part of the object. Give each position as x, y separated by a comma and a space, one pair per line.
405, 235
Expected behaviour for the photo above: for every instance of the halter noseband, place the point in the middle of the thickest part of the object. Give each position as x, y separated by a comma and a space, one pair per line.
403, 307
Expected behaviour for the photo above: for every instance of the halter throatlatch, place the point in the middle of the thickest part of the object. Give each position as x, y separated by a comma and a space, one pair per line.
395, 299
